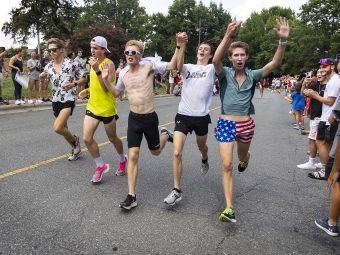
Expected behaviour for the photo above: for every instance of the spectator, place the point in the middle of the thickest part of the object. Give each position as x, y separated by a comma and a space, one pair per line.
33, 65
17, 66
44, 84
3, 53
298, 105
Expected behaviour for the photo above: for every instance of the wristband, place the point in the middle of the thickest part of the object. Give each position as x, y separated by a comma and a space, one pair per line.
99, 72
178, 47
283, 43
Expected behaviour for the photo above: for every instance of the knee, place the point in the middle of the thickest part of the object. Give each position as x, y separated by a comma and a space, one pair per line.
114, 140
155, 152
133, 157
57, 129
178, 154
87, 140
227, 166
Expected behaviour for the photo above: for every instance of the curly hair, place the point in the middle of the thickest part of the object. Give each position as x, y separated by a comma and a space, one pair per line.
213, 43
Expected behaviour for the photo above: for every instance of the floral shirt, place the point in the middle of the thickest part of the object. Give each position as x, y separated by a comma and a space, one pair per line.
70, 72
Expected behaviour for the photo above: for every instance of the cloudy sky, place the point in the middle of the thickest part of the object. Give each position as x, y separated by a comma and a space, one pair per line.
240, 8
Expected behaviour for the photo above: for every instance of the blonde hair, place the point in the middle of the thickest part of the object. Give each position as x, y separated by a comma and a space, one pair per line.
238, 44
56, 41
135, 43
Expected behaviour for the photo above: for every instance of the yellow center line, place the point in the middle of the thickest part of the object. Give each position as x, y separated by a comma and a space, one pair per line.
45, 162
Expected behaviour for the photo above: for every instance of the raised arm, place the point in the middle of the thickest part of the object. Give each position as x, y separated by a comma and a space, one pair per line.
283, 33
222, 49
181, 38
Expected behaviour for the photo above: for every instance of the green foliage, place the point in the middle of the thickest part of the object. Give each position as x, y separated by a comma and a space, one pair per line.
51, 18
115, 37
198, 21
126, 15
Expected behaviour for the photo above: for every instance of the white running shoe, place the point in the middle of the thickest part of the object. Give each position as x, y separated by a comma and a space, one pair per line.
39, 101
17, 102
318, 165
306, 166
30, 101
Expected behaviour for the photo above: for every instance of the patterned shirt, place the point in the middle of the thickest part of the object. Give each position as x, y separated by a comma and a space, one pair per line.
70, 72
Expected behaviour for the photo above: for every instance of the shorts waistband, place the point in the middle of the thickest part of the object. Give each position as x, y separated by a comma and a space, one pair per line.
142, 115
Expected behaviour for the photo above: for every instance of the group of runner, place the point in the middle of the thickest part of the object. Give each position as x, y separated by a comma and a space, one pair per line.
237, 85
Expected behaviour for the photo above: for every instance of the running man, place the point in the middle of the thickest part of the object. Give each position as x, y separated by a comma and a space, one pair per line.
101, 107
137, 79
64, 75
237, 89
193, 111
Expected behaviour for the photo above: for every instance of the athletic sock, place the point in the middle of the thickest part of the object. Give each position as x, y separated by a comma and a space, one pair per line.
133, 195
205, 160
121, 158
178, 190
99, 161
311, 161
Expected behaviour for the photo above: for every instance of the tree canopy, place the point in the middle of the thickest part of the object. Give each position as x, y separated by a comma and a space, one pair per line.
315, 30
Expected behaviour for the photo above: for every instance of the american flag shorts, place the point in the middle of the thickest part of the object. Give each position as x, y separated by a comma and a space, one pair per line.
229, 131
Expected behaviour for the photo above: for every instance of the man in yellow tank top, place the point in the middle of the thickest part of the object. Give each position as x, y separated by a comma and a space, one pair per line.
101, 107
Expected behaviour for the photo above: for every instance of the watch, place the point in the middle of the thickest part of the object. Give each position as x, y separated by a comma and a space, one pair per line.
178, 47
99, 72
283, 43
75, 84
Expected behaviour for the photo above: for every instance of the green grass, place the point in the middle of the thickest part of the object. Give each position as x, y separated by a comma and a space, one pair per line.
8, 89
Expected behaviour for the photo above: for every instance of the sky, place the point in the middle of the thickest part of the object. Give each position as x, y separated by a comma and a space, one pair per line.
241, 9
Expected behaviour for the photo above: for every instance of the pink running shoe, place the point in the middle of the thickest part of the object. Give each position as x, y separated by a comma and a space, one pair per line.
121, 171
98, 174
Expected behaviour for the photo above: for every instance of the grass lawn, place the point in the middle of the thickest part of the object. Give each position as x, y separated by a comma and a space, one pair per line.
8, 89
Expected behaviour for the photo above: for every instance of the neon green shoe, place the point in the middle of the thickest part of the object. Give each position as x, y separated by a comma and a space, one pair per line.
228, 215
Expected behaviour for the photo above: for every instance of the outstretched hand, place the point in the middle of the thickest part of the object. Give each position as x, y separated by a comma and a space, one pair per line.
181, 38
105, 71
283, 30
233, 28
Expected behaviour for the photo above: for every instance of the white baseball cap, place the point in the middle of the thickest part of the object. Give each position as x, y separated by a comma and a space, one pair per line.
100, 41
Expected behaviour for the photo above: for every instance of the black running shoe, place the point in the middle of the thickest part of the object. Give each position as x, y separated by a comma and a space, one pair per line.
165, 131
128, 203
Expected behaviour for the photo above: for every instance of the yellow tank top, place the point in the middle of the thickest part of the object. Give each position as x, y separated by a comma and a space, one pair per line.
101, 103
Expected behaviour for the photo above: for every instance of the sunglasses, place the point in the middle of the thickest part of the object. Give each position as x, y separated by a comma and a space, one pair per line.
131, 52
52, 50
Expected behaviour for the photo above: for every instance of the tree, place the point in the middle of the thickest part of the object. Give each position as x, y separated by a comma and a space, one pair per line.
185, 15
51, 18
115, 37
126, 15
324, 17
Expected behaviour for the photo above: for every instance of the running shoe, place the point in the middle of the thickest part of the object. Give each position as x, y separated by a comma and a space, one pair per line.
323, 224
204, 167
98, 174
243, 165
173, 197
121, 171
228, 215
165, 131
76, 150
128, 203
306, 166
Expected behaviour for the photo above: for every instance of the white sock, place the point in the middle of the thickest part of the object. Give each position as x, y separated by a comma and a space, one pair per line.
121, 158
99, 161
311, 161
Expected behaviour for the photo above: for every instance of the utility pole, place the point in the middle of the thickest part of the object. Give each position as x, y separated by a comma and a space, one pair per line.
199, 32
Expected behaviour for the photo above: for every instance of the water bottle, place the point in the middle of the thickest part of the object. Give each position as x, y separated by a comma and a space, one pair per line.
7, 101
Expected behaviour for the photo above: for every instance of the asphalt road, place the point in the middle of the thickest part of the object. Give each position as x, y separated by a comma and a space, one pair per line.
49, 206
